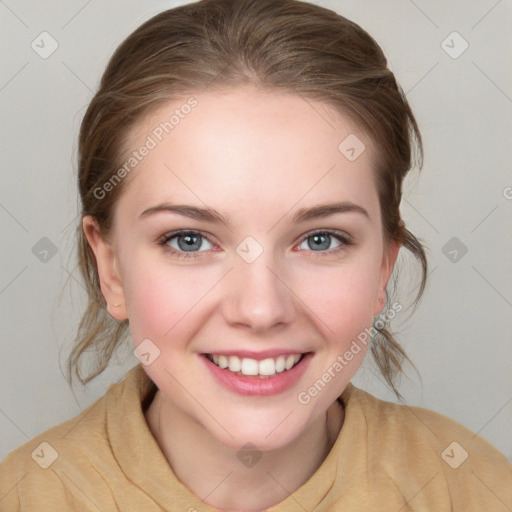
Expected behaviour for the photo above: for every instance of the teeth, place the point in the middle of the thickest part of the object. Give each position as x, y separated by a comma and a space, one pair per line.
289, 362
251, 367
280, 364
267, 367
235, 364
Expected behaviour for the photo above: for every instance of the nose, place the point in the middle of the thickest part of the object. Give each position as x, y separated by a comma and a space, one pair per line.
257, 296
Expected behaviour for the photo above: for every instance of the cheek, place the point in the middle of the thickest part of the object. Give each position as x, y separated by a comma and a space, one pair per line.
341, 299
158, 297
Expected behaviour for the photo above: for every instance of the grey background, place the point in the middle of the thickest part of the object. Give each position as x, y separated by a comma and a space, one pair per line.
459, 337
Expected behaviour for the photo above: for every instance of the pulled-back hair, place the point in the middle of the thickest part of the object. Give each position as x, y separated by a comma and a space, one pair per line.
284, 45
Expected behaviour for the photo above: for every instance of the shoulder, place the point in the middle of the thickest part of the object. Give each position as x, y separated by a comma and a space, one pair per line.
50, 463
412, 443
39, 466
423, 431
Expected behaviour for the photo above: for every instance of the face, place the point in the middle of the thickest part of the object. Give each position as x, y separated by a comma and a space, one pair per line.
252, 267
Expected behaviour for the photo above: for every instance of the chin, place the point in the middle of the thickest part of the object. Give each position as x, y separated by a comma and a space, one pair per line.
265, 435
257, 441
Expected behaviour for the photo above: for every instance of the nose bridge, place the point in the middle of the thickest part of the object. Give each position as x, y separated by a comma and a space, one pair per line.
257, 295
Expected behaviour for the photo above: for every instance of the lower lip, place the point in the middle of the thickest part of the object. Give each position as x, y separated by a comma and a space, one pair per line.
254, 386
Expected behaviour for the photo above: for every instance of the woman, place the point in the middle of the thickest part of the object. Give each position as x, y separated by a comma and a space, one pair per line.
240, 172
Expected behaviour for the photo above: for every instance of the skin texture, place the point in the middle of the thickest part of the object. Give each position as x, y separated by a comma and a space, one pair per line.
256, 157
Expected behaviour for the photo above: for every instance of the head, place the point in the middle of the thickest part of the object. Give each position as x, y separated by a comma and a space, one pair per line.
245, 110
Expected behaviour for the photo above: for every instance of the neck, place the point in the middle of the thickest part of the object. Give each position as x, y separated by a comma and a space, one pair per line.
213, 472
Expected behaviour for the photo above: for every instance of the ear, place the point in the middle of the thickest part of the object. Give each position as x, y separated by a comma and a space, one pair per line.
388, 262
108, 269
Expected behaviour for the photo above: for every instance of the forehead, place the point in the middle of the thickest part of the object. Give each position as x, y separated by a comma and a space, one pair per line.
248, 147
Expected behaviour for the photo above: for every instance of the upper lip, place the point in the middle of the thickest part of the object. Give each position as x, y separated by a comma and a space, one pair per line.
258, 356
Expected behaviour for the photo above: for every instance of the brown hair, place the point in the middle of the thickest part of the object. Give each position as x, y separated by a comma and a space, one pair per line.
285, 44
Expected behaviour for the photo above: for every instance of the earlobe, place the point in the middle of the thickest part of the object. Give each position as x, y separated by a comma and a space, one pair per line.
108, 269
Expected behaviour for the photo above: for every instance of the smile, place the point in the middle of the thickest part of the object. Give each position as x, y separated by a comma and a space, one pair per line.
265, 376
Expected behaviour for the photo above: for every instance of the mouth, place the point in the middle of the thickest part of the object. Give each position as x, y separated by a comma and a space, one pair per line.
259, 375
266, 368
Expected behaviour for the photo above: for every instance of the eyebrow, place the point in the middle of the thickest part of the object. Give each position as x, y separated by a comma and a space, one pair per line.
209, 215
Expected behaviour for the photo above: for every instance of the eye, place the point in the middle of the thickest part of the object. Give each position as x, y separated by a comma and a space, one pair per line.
322, 241
188, 243
183, 242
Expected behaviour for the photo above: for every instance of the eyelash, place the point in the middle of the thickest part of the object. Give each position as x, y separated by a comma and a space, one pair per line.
345, 242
